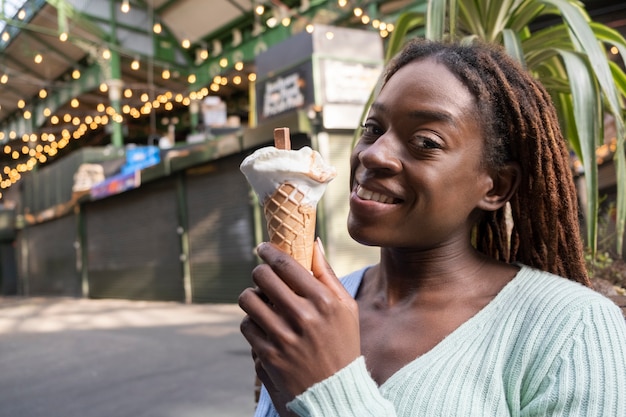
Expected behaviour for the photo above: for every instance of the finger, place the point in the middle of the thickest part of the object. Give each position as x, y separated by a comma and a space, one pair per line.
278, 293
260, 314
324, 273
289, 270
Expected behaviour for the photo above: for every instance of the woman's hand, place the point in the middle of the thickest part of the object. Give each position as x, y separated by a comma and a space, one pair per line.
303, 328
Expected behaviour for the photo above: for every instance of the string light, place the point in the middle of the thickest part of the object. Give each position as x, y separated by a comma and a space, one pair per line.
135, 64
271, 22
125, 7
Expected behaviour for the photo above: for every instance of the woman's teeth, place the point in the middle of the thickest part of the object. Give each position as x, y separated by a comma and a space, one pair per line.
366, 194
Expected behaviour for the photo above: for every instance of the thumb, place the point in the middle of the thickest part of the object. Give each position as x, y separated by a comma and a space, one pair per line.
324, 273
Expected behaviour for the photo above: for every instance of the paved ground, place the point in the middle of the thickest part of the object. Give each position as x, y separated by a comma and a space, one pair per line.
62, 357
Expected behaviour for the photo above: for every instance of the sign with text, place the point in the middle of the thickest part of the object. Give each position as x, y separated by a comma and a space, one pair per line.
285, 92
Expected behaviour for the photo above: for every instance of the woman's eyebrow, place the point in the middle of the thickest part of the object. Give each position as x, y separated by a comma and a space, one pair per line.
430, 115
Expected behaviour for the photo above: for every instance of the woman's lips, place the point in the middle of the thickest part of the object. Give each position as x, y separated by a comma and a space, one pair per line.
365, 194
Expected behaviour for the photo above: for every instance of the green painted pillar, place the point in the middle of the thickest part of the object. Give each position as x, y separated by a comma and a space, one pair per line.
115, 84
115, 97
194, 118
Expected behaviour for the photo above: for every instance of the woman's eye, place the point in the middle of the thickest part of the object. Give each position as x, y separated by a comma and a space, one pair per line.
430, 143
369, 129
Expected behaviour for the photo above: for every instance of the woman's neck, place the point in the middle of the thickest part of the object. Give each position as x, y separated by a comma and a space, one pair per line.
435, 276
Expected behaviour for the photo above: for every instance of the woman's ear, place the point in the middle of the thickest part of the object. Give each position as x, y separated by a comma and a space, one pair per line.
505, 183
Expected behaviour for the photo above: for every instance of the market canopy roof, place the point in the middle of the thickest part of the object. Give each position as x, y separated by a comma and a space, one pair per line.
58, 57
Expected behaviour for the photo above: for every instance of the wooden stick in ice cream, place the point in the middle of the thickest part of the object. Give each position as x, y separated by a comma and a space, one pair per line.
282, 139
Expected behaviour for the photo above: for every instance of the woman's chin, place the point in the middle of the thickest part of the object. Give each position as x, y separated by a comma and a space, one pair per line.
360, 235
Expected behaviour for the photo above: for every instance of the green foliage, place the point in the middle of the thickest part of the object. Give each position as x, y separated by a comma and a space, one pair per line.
569, 57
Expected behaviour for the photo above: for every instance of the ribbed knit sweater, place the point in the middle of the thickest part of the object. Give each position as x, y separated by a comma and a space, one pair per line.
544, 346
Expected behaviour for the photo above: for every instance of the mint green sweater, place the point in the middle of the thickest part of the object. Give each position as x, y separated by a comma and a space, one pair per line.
544, 346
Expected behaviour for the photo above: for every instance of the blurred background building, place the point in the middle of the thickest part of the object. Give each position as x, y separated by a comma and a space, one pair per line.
123, 124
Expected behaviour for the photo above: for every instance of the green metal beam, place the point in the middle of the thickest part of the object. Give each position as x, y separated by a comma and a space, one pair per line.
33, 7
80, 18
50, 48
245, 52
121, 25
166, 32
117, 137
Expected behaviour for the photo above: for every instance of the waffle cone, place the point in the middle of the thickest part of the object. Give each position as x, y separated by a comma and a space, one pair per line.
290, 223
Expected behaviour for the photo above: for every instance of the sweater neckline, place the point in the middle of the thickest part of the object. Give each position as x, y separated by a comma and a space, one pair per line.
468, 328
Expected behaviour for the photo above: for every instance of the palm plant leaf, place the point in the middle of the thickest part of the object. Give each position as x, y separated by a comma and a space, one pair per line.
586, 115
436, 19
513, 45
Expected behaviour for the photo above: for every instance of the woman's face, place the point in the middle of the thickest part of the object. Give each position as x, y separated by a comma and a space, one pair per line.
417, 172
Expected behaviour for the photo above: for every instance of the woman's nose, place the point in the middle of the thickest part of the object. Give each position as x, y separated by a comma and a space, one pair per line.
383, 154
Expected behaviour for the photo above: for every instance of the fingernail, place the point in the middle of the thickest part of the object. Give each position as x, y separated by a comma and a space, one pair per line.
320, 245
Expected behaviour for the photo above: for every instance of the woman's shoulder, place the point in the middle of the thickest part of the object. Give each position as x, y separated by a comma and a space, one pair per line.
546, 294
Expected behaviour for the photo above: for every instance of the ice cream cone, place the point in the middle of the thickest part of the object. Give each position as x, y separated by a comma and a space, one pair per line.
291, 223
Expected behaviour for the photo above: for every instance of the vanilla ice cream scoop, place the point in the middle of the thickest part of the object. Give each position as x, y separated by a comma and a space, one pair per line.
267, 168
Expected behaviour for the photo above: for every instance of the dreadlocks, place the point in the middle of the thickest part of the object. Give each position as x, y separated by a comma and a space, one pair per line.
519, 124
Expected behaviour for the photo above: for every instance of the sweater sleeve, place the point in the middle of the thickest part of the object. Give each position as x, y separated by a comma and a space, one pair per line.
351, 392
586, 375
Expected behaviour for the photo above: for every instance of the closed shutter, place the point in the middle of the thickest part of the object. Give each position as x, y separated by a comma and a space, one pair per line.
221, 231
48, 258
133, 248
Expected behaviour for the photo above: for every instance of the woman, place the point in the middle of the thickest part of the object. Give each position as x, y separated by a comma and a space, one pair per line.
464, 315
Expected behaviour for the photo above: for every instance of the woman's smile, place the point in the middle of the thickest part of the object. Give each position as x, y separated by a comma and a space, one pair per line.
365, 194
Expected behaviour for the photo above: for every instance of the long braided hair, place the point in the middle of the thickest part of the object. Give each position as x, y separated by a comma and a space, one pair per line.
519, 124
